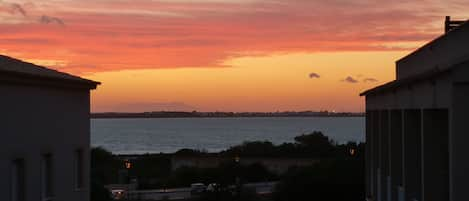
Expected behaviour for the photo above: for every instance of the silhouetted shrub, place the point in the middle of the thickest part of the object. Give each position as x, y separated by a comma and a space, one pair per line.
314, 144
98, 192
189, 152
333, 180
104, 166
103, 171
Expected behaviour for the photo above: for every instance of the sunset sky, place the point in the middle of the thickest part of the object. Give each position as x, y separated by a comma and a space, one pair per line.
223, 55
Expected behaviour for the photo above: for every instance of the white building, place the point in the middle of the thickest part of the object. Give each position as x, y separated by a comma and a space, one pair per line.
417, 140
45, 132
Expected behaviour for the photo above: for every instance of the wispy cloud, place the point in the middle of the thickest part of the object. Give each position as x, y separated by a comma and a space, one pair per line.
314, 75
349, 79
17, 8
25, 18
369, 79
12, 9
51, 20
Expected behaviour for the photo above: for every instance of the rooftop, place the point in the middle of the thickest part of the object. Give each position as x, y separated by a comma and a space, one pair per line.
13, 69
453, 26
419, 57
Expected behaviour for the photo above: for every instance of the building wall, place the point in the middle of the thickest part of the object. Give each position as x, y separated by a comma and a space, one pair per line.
429, 94
37, 121
396, 152
427, 127
435, 154
459, 139
442, 53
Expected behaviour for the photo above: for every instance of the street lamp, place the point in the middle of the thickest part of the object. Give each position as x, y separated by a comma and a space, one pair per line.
127, 164
237, 159
352, 151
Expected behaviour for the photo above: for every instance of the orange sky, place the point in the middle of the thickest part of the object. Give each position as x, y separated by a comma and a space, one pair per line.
223, 55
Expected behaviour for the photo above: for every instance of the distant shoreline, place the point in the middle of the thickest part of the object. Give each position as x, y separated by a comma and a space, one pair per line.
170, 114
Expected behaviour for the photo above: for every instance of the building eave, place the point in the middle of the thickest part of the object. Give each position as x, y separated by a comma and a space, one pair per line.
425, 76
38, 80
393, 85
16, 71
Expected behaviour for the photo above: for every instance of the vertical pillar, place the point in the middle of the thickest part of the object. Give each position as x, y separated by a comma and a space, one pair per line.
396, 153
435, 155
375, 155
412, 154
384, 154
368, 159
402, 188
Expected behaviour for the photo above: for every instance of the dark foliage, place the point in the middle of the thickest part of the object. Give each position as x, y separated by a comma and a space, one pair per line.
103, 171
98, 192
314, 144
150, 170
104, 166
226, 174
339, 175
189, 152
335, 179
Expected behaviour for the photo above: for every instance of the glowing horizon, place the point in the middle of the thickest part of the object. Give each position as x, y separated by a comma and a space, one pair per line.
222, 55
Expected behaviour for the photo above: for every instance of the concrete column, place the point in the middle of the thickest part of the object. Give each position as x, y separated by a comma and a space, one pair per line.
384, 154
396, 153
402, 188
435, 155
459, 144
368, 159
375, 155
412, 155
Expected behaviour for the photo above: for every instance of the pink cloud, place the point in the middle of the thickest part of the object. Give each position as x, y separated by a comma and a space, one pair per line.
114, 35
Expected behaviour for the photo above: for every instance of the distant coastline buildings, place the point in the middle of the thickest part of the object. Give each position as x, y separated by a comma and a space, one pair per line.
416, 126
195, 114
45, 131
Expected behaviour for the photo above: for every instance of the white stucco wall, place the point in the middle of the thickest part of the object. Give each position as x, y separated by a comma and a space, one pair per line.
39, 120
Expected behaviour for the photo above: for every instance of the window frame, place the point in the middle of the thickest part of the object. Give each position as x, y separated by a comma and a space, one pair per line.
47, 177
18, 180
78, 169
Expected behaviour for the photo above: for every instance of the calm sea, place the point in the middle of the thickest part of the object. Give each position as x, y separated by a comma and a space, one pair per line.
167, 135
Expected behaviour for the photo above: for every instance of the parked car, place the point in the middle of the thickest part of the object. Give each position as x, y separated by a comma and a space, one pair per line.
118, 194
212, 187
198, 188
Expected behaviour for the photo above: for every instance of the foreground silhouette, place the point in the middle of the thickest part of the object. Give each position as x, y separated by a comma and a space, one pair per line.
339, 174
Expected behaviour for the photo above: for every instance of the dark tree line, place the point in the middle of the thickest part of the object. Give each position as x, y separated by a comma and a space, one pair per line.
338, 176
314, 144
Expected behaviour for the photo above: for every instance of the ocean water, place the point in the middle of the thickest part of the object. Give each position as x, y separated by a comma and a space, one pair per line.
167, 135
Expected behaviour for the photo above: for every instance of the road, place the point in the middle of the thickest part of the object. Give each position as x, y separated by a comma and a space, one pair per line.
160, 194
185, 193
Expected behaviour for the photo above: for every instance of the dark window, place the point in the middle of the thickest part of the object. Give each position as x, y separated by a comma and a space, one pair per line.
47, 177
79, 169
18, 187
